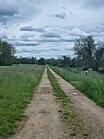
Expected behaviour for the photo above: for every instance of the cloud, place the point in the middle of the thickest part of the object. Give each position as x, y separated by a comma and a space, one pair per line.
60, 15
27, 44
96, 4
50, 35
3, 36
30, 28
99, 34
49, 28
77, 32
8, 11
27, 35
8, 8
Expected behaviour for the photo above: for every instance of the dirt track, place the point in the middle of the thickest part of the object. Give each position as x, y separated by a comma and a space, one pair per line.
43, 119
93, 115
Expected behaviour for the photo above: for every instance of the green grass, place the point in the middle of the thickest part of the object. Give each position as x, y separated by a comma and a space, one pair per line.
74, 126
16, 90
91, 85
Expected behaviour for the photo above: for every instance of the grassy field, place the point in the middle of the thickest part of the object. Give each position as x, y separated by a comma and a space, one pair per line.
74, 126
92, 85
16, 91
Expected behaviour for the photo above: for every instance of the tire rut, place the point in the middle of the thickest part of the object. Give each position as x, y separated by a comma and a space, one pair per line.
43, 118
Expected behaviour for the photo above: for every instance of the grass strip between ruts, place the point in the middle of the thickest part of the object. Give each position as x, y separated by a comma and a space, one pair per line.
74, 125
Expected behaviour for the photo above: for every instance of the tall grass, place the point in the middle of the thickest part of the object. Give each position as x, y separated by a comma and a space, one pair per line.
16, 90
92, 85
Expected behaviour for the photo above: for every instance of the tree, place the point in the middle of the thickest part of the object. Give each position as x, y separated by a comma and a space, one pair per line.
65, 61
41, 61
85, 50
6, 53
52, 61
99, 55
33, 60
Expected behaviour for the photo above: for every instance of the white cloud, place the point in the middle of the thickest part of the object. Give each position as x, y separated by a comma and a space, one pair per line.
78, 32
27, 24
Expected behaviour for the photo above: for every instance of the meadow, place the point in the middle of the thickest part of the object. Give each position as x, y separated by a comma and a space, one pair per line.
17, 83
92, 85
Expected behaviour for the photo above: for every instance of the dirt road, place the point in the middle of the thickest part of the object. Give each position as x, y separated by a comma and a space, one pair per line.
43, 119
93, 115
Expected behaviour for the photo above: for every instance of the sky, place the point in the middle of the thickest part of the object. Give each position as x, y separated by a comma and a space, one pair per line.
45, 28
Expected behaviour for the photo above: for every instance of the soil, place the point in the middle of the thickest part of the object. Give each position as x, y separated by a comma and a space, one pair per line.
43, 119
92, 114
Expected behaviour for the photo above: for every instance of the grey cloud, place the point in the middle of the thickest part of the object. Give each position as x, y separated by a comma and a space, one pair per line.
30, 28
64, 7
68, 39
25, 36
51, 35
3, 36
24, 50
95, 34
13, 11
27, 44
60, 15
8, 11
8, 8
56, 36
94, 4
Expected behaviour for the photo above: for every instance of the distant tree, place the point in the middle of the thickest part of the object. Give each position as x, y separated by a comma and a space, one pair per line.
41, 61
85, 49
99, 55
33, 60
6, 53
65, 61
52, 61
74, 63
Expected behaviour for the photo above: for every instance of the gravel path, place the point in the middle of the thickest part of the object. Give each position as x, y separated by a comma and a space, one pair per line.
43, 119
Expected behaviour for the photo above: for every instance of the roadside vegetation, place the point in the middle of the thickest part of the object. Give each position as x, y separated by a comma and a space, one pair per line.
16, 90
91, 84
74, 126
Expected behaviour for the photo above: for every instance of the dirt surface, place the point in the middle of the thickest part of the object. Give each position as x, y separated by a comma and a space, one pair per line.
92, 114
43, 119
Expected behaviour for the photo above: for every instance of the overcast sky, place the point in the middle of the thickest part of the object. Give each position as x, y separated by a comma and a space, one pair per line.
45, 28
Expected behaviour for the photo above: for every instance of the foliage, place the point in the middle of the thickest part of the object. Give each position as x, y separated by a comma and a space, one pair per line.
25, 60
6, 53
88, 53
84, 49
41, 61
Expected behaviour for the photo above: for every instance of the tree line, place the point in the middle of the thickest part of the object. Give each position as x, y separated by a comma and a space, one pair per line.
88, 54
